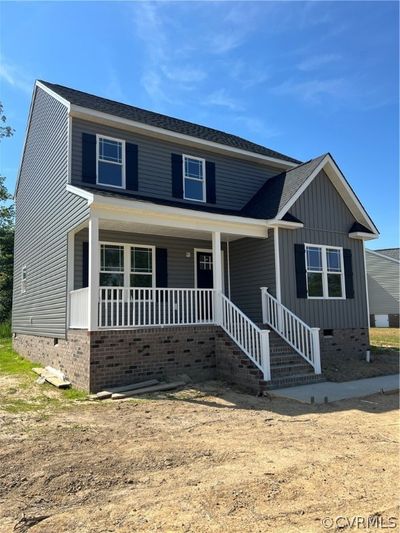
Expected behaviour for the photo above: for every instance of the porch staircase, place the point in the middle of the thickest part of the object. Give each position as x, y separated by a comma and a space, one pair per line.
288, 368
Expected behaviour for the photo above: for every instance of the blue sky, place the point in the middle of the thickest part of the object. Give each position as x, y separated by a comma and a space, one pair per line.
303, 78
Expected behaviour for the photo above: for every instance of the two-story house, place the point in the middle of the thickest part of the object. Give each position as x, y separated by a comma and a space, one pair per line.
150, 246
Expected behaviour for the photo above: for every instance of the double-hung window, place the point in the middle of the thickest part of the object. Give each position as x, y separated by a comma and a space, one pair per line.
325, 273
126, 265
111, 265
141, 274
110, 162
194, 178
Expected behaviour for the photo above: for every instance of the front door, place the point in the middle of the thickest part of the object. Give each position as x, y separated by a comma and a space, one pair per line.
204, 270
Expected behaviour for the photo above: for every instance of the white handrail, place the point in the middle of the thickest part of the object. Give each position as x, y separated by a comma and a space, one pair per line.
252, 340
122, 307
300, 336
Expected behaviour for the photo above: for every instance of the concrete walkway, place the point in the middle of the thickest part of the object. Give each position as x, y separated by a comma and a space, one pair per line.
331, 392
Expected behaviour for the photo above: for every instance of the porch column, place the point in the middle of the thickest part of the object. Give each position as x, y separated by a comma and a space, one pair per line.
217, 275
93, 273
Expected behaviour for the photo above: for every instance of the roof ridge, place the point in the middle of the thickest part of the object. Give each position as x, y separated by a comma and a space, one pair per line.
236, 139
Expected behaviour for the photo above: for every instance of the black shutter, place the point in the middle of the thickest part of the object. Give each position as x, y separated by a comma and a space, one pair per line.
348, 273
131, 166
85, 264
300, 264
88, 158
177, 175
210, 182
161, 267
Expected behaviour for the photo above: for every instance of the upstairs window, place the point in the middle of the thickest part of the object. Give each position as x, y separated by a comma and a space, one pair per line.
325, 274
110, 162
194, 178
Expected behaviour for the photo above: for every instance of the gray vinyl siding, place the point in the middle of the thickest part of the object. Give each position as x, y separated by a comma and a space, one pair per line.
327, 220
252, 266
180, 267
45, 212
383, 285
236, 180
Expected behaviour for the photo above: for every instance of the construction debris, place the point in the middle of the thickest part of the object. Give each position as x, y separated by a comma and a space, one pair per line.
52, 376
145, 390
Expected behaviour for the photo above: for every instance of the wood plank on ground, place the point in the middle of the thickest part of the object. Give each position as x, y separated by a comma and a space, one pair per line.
51, 378
132, 386
155, 388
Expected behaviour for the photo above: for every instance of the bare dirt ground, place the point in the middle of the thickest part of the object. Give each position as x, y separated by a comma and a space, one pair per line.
203, 459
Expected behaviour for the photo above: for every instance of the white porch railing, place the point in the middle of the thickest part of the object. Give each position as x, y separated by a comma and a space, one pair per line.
298, 334
79, 309
121, 307
250, 338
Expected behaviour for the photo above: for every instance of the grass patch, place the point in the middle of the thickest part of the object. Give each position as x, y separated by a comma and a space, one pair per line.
5, 329
384, 339
11, 362
24, 394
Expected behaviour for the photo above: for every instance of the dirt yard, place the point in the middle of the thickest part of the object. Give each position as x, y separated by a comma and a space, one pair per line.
202, 459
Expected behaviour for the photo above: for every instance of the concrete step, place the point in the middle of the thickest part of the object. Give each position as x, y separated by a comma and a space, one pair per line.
293, 381
282, 370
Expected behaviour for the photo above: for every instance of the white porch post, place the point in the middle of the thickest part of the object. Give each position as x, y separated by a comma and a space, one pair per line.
70, 272
278, 276
316, 350
94, 270
217, 275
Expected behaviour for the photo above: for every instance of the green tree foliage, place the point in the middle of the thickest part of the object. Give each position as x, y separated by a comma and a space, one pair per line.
6, 234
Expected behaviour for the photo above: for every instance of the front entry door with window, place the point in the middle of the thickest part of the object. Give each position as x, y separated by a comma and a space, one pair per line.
204, 266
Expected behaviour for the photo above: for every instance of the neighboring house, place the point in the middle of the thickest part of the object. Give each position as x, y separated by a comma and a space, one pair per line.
150, 246
384, 287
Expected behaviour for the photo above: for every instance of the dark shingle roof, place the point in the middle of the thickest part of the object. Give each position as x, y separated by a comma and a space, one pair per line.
393, 253
151, 118
278, 190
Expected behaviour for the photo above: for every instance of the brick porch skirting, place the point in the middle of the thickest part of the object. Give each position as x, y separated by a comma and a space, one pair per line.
344, 343
95, 360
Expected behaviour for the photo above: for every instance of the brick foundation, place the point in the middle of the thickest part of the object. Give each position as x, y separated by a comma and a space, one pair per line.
71, 355
344, 343
123, 357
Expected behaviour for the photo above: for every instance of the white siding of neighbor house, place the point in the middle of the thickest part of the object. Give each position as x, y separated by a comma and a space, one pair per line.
383, 284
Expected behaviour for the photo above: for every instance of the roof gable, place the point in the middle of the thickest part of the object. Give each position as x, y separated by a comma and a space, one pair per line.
280, 192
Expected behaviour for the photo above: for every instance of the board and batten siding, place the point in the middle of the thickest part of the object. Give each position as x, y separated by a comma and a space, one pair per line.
180, 267
45, 212
327, 221
252, 266
236, 180
383, 285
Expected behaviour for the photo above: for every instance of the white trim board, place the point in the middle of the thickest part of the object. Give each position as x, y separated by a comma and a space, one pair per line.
339, 182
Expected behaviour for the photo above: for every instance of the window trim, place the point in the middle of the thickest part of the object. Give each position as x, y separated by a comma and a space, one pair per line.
127, 261
324, 272
122, 164
23, 279
184, 177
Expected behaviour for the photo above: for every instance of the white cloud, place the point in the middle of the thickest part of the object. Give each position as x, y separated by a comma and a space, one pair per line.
311, 91
185, 74
13, 76
222, 99
317, 61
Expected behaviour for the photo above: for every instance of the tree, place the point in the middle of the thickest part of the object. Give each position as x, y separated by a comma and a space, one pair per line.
6, 234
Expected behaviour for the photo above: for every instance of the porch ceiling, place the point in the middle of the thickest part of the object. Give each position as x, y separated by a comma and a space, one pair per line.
153, 229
